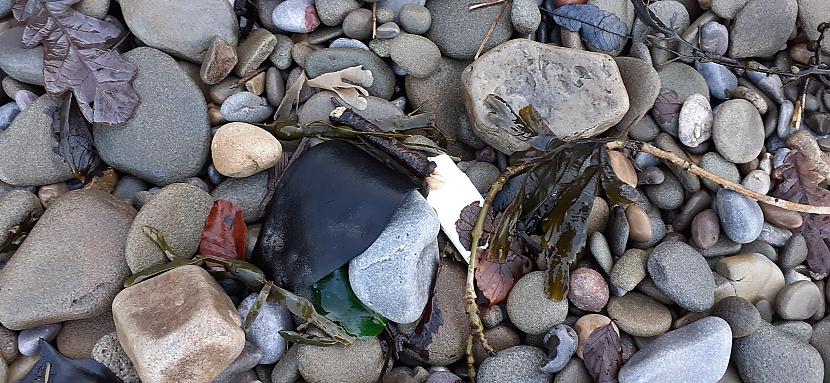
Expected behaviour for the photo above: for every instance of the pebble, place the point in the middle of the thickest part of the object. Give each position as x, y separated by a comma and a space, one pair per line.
781, 217
714, 38
387, 30
393, 276
343, 42
22, 64
618, 232
525, 16
588, 290
254, 50
714, 163
172, 351
415, 18
7, 114
798, 329
246, 107
274, 87
753, 96
773, 235
57, 250
161, 153
562, 342
743, 318
333, 12
738, 131
598, 217
264, 331
518, 364
741, 218
721, 81
109, 352
385, 15
448, 15
785, 115
298, 16
643, 85
574, 372
529, 308
593, 112
160, 24
8, 345
820, 339
287, 369
757, 181
443, 377
416, 55
219, 61
623, 168
78, 337
361, 362
695, 121
500, 338
794, 252
639, 315
706, 229
798, 301
682, 273
179, 211
358, 24
601, 252
319, 106
27, 340
770, 355
241, 150
281, 56
698, 352
754, 276
667, 195
761, 247
334, 59
761, 29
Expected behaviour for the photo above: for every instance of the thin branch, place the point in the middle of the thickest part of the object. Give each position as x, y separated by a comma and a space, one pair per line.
478, 230
722, 182
374, 19
492, 28
471, 360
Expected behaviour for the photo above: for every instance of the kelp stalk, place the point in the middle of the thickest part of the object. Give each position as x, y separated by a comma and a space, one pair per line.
478, 230
722, 182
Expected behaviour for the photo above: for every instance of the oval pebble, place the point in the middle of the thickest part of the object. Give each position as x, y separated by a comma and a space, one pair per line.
695, 121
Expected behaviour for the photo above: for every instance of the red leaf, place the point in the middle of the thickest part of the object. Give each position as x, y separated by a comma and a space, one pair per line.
603, 354
495, 280
799, 182
666, 107
225, 233
77, 56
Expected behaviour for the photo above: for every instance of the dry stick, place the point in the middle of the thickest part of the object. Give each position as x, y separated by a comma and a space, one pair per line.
722, 182
478, 230
492, 28
471, 360
374, 19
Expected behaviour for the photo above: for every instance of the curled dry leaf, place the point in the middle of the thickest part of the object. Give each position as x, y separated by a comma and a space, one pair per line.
603, 354
75, 142
225, 233
291, 99
800, 183
350, 91
666, 107
77, 57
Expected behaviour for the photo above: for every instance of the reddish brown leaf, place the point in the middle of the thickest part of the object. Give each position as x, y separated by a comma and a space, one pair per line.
225, 233
603, 354
666, 107
799, 182
466, 222
495, 280
77, 57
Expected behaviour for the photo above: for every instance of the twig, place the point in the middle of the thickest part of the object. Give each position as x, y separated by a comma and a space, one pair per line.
478, 230
471, 360
722, 182
492, 28
798, 113
484, 4
374, 19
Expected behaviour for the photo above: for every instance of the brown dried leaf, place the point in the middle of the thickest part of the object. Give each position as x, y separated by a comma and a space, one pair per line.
225, 233
799, 182
292, 98
495, 279
467, 221
77, 57
74, 136
666, 107
349, 91
603, 354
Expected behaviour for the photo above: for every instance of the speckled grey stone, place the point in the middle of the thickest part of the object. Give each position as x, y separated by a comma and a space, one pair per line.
20, 63
770, 355
281, 55
360, 363
286, 370
630, 269
332, 12
820, 339
682, 79
618, 231
682, 273
574, 372
738, 131
529, 308
319, 106
168, 139
109, 352
666, 195
264, 331
417, 55
17, 207
246, 107
179, 211
27, 155
794, 252
481, 174
334, 59
415, 18
799, 329
393, 276
247, 193
798, 301
743, 318
7, 114
643, 85
5, 7
601, 252
774, 235
517, 364
762, 28
741, 218
448, 15
714, 163
698, 352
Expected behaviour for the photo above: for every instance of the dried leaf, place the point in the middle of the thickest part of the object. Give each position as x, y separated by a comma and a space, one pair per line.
334, 298
467, 221
602, 29
496, 279
225, 233
431, 320
349, 91
77, 57
800, 183
76, 145
603, 354
52, 367
666, 107
291, 99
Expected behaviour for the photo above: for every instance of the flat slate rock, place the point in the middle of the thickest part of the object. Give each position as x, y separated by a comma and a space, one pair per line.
168, 139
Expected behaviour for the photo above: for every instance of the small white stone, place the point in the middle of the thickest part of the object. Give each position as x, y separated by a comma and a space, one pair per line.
241, 150
695, 121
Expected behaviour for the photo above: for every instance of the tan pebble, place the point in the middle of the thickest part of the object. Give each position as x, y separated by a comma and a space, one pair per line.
753, 97
256, 84
20, 368
623, 168
706, 229
586, 325
598, 217
781, 217
48, 193
215, 116
240, 150
104, 182
801, 54
639, 223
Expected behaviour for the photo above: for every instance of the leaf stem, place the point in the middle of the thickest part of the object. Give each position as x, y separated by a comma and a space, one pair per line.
492, 28
722, 182
476, 326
